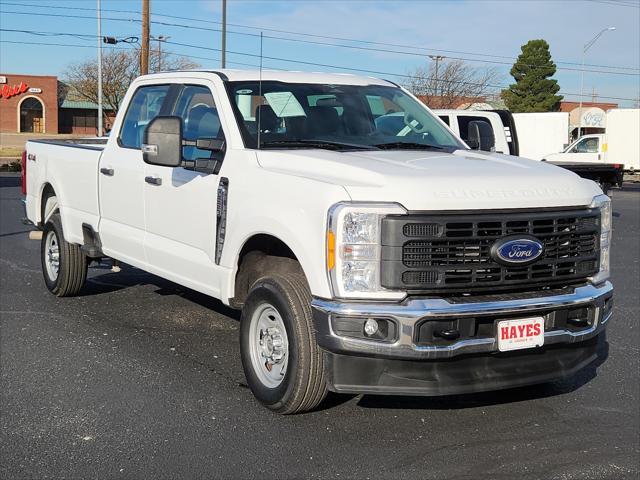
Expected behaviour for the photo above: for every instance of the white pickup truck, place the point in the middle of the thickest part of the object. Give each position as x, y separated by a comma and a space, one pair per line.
366, 257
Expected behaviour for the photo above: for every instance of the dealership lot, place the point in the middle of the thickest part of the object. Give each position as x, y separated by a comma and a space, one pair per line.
140, 377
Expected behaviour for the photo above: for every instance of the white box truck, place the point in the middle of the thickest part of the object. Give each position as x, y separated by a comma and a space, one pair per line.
623, 137
541, 133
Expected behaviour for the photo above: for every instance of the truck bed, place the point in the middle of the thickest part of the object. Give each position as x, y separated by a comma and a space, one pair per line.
70, 167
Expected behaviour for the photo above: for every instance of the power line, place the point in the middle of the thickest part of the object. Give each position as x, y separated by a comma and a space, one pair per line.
74, 45
306, 34
322, 36
339, 67
328, 44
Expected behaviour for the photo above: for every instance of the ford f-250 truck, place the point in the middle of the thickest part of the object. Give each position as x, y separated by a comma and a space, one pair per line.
365, 258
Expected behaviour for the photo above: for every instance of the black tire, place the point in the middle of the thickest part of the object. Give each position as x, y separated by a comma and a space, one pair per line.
304, 385
72, 270
605, 187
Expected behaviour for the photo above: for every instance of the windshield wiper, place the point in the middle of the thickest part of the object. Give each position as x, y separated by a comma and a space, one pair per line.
410, 146
323, 144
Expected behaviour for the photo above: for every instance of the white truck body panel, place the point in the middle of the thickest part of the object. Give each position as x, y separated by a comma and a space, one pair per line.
72, 172
432, 180
623, 137
541, 133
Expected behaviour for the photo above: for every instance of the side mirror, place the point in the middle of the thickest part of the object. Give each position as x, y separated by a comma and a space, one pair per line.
162, 143
480, 136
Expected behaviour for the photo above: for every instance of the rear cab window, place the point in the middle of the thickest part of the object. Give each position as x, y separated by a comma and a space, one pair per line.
463, 124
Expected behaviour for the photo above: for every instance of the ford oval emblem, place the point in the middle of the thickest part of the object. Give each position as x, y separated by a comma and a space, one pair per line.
517, 250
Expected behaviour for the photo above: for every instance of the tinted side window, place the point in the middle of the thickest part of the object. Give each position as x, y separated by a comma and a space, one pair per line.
587, 145
200, 119
144, 107
463, 124
445, 119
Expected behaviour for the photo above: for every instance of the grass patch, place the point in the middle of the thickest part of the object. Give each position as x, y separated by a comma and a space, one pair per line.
11, 152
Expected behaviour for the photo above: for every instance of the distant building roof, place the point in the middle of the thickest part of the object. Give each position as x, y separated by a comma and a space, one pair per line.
567, 106
82, 105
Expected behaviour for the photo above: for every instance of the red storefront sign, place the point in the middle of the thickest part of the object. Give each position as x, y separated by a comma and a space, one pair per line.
8, 91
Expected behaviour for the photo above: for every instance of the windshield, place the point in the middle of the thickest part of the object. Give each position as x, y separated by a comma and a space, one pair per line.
335, 116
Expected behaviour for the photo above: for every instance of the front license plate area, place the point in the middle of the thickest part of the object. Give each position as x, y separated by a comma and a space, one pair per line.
520, 333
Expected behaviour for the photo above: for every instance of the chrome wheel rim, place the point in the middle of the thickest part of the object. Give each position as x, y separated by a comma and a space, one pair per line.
52, 255
269, 345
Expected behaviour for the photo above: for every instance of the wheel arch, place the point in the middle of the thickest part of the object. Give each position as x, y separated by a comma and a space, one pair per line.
47, 191
259, 254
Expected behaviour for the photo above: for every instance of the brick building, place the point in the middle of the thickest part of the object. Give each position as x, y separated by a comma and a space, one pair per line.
42, 104
28, 103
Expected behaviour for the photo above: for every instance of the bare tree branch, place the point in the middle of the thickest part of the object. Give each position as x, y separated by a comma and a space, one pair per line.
119, 69
456, 83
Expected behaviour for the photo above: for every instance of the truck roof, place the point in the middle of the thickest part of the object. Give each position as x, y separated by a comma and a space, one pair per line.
234, 75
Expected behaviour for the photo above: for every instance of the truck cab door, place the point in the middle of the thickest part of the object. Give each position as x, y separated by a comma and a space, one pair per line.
463, 120
585, 150
121, 179
180, 202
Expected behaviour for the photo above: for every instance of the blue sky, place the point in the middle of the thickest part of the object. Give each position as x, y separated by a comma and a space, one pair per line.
486, 33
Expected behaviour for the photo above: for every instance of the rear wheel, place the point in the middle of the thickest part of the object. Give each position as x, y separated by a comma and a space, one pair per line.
282, 363
64, 266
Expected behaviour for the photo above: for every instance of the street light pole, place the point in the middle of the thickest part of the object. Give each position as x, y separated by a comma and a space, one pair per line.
437, 59
224, 33
160, 39
100, 131
586, 47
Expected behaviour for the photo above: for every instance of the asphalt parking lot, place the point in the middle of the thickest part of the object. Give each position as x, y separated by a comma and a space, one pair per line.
141, 378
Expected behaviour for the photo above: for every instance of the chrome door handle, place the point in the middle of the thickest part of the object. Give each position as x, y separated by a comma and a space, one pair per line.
153, 180
107, 171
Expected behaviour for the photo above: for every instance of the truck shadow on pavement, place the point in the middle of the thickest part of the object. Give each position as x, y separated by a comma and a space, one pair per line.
129, 277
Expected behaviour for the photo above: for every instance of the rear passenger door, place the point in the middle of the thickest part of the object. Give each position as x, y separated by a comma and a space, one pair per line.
180, 202
121, 179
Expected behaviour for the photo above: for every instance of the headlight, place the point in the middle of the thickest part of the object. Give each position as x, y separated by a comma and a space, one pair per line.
353, 250
603, 203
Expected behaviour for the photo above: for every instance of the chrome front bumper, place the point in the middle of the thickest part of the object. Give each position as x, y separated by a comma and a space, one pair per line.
408, 314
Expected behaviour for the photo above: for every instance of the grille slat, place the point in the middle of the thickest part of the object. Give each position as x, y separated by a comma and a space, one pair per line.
436, 252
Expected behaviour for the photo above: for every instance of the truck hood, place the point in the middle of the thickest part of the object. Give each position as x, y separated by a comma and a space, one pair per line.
419, 180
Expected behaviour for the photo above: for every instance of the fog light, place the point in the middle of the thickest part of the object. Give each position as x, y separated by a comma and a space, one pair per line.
370, 327
367, 328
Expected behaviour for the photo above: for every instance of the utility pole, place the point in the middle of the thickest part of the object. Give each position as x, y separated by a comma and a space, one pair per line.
100, 130
224, 33
144, 49
437, 59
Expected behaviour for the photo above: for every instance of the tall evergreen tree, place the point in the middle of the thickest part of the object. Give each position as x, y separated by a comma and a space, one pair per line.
534, 90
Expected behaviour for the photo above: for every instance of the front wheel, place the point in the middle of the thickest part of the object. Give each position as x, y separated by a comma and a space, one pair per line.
64, 266
282, 363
